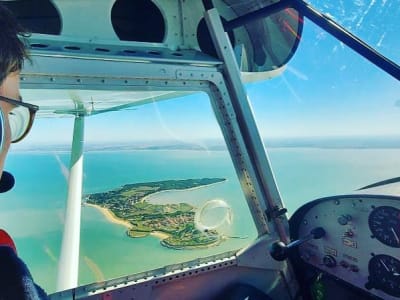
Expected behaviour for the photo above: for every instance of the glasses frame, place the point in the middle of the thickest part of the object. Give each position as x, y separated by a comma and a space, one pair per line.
32, 112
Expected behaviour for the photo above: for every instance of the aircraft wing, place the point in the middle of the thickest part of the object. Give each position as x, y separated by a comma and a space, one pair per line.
389, 187
67, 103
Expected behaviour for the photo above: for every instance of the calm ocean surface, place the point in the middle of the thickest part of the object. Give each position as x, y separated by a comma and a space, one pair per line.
33, 212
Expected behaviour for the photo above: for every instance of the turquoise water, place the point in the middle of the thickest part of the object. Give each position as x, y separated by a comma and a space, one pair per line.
33, 211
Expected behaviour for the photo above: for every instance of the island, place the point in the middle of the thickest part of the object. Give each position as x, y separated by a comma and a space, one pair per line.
173, 223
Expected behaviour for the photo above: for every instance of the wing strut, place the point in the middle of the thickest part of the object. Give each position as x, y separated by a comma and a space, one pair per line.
69, 258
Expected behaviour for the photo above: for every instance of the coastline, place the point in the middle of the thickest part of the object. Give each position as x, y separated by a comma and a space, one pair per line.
159, 234
110, 216
144, 199
216, 243
156, 233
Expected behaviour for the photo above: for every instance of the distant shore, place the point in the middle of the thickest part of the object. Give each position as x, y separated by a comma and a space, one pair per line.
110, 215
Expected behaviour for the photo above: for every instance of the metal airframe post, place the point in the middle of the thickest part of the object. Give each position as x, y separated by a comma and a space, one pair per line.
69, 258
268, 196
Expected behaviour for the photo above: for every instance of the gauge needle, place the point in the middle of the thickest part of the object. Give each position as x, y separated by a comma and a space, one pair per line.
395, 235
384, 265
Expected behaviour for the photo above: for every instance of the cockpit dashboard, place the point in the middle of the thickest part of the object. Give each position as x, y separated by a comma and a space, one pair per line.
360, 248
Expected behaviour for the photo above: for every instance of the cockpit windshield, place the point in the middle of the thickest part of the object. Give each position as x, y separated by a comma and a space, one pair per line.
331, 121
159, 189
375, 22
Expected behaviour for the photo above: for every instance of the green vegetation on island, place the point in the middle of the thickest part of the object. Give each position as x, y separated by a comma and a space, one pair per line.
175, 221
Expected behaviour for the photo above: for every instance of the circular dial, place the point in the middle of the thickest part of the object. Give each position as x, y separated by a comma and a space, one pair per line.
384, 223
384, 274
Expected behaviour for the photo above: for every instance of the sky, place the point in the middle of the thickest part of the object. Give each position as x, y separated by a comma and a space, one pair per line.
326, 90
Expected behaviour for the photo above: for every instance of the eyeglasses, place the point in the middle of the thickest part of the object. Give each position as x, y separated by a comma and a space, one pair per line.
20, 118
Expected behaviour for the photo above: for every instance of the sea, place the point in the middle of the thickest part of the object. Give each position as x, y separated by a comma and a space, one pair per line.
33, 212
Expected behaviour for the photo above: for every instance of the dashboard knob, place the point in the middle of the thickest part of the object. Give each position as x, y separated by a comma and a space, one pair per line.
344, 219
329, 261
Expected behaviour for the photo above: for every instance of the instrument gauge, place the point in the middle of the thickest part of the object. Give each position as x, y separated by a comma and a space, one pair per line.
384, 274
384, 223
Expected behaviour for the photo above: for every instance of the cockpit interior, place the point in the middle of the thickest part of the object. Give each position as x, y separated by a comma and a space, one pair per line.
197, 135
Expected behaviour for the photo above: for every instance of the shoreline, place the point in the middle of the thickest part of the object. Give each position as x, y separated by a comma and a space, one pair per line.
112, 218
156, 233
110, 215
159, 234
144, 199
213, 244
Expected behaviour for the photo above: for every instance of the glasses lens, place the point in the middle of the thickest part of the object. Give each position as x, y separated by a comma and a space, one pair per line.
19, 121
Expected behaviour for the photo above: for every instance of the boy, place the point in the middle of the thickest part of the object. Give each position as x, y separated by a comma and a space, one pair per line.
16, 118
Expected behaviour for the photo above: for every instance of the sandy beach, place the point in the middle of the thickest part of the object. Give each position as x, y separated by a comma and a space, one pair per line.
159, 234
110, 216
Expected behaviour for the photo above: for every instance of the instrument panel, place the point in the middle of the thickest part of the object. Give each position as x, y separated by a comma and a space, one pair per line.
361, 242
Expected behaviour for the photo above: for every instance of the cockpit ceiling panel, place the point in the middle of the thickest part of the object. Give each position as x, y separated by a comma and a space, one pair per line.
263, 44
40, 16
67, 103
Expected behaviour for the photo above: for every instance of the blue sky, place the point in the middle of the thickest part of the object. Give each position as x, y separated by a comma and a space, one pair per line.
327, 90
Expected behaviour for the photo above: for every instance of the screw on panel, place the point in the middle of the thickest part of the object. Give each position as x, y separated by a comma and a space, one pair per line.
128, 51
102, 50
72, 48
39, 45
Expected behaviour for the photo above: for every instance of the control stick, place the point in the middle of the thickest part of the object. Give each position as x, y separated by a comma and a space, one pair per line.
279, 251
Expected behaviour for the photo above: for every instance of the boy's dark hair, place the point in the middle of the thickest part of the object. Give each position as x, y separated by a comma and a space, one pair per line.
13, 49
